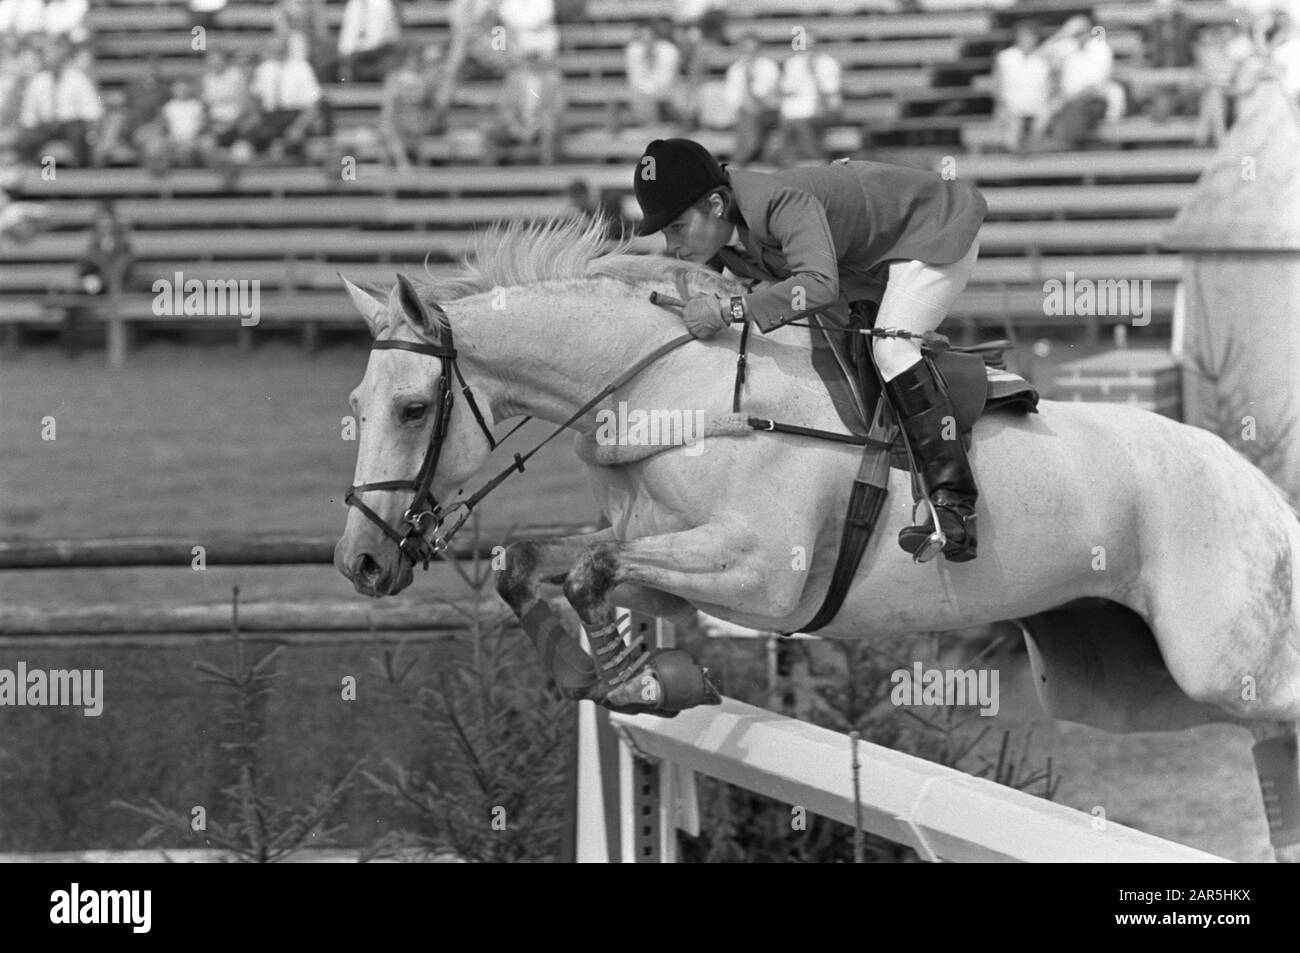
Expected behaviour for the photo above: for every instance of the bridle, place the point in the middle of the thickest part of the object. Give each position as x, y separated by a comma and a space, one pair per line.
415, 543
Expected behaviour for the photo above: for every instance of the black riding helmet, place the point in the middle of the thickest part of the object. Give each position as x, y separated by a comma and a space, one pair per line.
671, 176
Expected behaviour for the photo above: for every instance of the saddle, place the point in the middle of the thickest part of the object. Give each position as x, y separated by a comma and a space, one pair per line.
976, 379
977, 383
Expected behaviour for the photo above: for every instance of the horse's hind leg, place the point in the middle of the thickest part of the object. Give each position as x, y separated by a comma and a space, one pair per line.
1278, 766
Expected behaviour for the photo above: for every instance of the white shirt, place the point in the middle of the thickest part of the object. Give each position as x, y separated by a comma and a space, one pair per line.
764, 75
184, 118
810, 85
1286, 60
224, 94
1024, 81
652, 75
286, 85
69, 96
686, 10
530, 26
67, 18
22, 16
367, 25
1087, 68
38, 101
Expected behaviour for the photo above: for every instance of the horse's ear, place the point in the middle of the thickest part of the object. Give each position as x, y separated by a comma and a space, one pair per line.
370, 309
416, 309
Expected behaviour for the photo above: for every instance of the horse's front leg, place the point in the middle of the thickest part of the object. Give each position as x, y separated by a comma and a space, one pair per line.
529, 564
707, 563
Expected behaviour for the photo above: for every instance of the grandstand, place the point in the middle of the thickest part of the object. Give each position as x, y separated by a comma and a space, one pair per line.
916, 91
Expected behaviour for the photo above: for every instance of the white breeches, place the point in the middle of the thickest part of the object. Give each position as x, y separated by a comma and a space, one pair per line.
917, 299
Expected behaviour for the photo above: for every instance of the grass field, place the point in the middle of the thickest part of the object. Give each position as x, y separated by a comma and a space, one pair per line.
184, 441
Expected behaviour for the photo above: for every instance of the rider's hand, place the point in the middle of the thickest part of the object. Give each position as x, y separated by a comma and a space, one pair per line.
704, 316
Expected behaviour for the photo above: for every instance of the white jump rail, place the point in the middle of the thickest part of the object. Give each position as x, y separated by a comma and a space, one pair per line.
942, 813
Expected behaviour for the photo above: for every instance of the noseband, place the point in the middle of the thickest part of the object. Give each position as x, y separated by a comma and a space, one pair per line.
414, 543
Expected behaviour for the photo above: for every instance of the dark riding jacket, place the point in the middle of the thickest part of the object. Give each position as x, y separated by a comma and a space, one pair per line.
823, 229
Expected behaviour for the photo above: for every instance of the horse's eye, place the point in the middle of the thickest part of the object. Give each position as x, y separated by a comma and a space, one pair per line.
414, 411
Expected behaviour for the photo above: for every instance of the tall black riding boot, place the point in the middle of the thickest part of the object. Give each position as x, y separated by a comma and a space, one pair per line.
926, 416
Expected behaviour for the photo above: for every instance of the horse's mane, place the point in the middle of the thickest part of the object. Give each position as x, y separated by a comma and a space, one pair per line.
541, 251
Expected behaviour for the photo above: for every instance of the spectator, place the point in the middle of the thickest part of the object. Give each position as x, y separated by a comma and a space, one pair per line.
204, 13
105, 265
653, 68
700, 30
104, 269
701, 19
1284, 55
60, 102
67, 19
184, 122
22, 17
1169, 36
470, 51
407, 113
15, 68
111, 145
288, 99
367, 39
306, 18
811, 100
752, 93
143, 126
530, 27
530, 111
1021, 90
226, 98
1215, 76
20, 221
1085, 77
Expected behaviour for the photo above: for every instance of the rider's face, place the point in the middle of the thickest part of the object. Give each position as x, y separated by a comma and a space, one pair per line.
698, 233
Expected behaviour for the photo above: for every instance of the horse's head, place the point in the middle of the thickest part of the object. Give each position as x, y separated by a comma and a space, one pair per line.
419, 438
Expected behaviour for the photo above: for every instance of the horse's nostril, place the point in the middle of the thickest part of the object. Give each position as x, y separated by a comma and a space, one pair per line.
365, 566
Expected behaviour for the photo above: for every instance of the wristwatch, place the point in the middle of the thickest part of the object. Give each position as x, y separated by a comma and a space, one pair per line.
737, 310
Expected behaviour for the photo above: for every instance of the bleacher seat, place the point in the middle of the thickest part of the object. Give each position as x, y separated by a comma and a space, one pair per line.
911, 80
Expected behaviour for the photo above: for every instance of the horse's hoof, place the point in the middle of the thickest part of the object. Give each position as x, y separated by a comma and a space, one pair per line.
670, 682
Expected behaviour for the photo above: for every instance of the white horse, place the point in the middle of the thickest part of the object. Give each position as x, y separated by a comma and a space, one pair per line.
1156, 573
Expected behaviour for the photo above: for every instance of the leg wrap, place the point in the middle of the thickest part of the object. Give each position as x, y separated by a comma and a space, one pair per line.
615, 661
1279, 782
571, 667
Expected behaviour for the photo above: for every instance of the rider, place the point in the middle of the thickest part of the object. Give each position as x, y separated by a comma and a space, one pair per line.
818, 232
